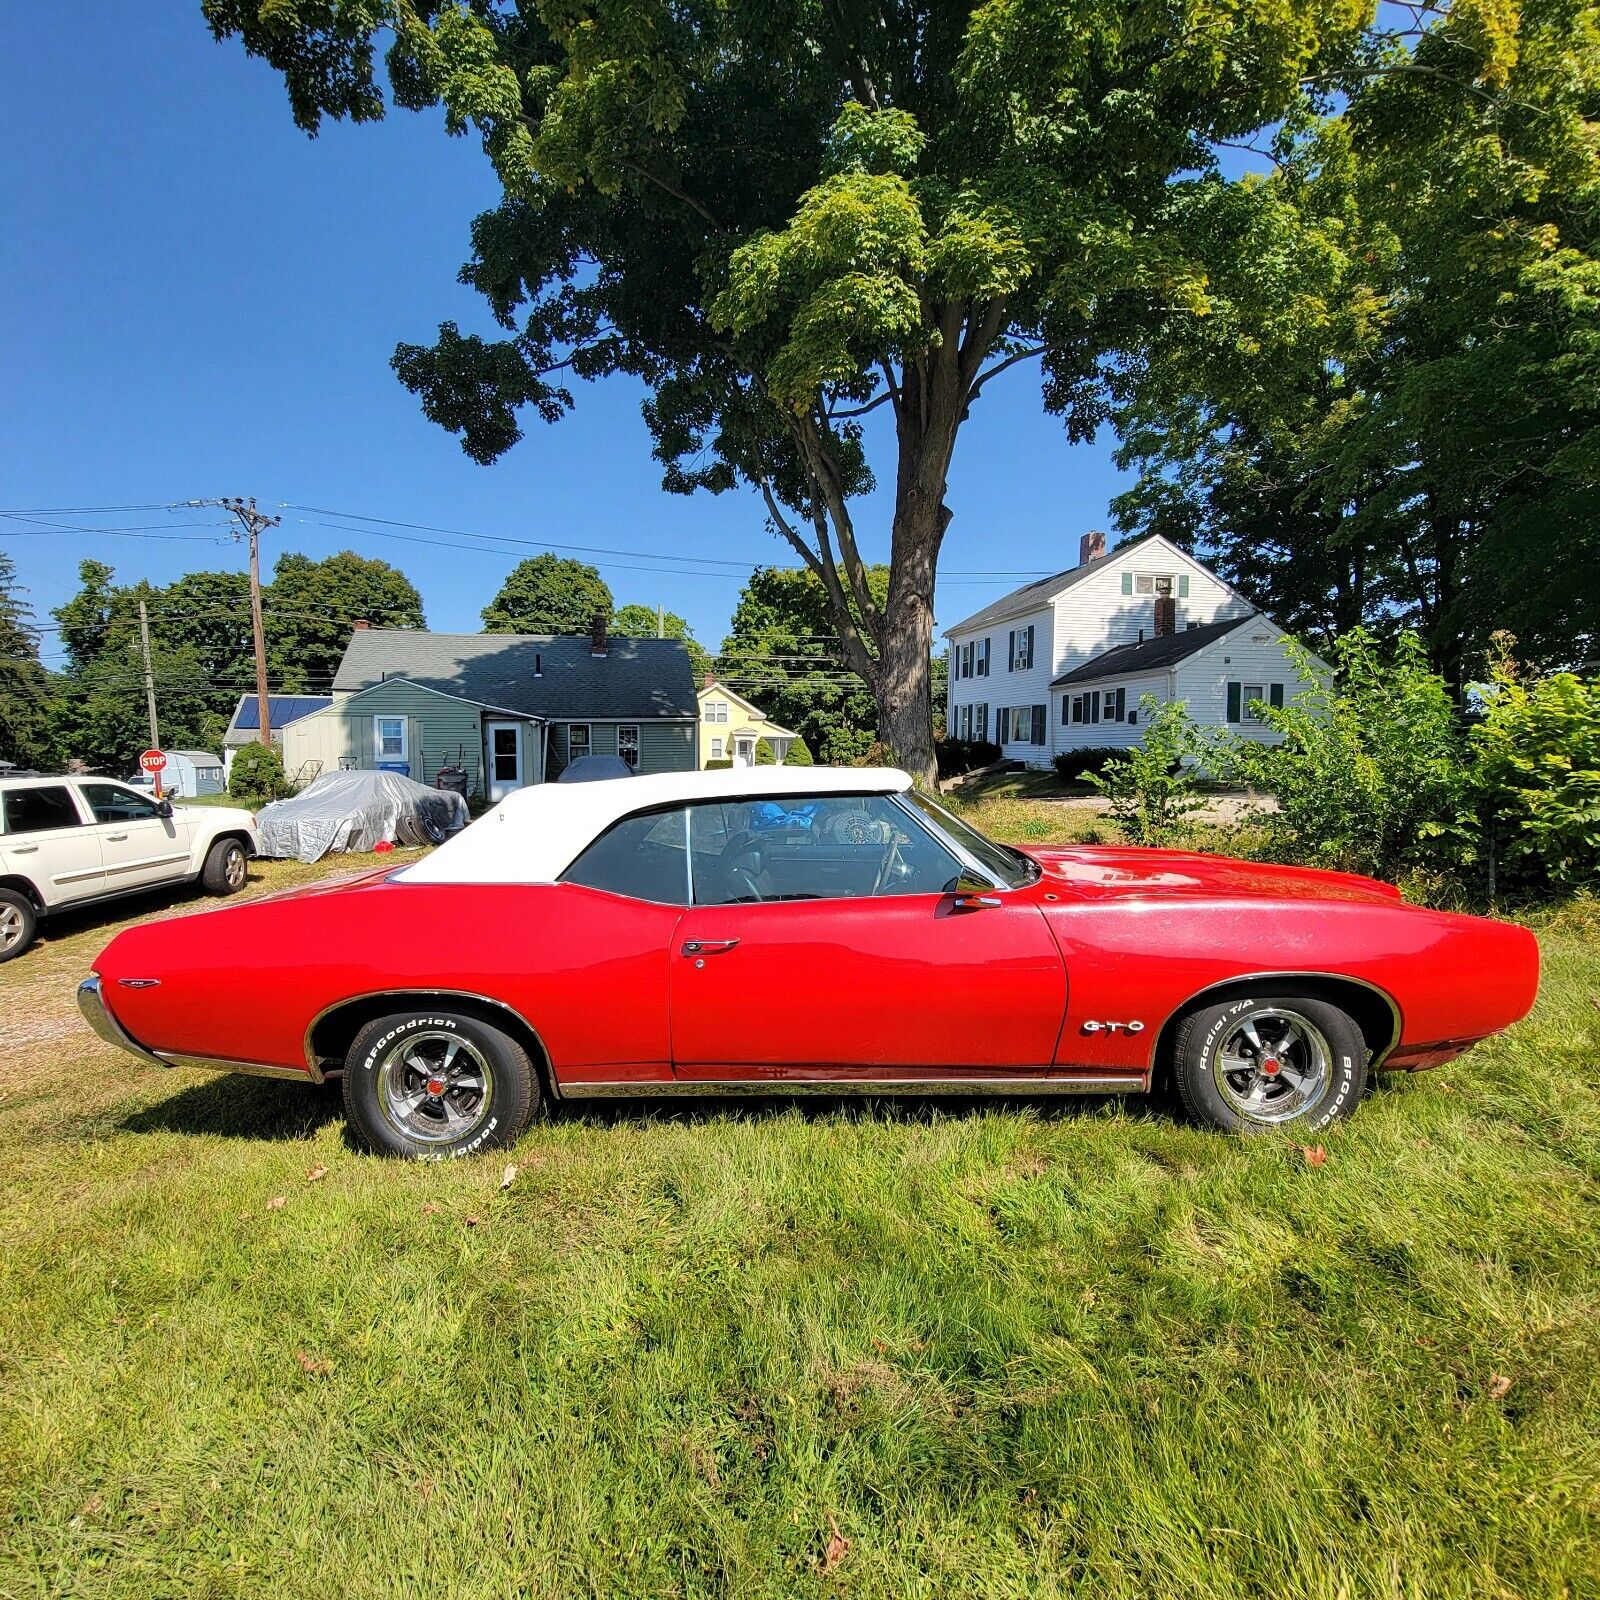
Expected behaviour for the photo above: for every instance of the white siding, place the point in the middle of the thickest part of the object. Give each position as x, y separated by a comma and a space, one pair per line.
1106, 735
1005, 688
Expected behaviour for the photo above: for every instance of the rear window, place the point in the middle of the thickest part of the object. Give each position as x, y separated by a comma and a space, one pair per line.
40, 810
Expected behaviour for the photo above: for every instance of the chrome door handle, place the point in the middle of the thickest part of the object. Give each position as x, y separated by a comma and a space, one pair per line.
116, 838
24, 849
976, 902
708, 947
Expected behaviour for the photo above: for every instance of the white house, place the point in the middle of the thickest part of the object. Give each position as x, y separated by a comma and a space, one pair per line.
1063, 663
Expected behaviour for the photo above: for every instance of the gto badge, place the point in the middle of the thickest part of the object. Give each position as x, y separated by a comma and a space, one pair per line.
1114, 1027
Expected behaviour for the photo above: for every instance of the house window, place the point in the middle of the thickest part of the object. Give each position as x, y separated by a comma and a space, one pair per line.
1156, 583
983, 658
389, 738
980, 716
577, 740
1022, 648
716, 748
628, 746
1116, 705
716, 711
1240, 696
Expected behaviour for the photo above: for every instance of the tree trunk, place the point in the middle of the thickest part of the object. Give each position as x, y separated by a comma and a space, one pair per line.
903, 689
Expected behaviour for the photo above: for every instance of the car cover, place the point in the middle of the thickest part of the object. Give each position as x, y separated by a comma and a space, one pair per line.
357, 810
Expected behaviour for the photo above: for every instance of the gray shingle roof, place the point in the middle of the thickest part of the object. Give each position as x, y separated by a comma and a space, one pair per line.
1151, 654
540, 675
1031, 596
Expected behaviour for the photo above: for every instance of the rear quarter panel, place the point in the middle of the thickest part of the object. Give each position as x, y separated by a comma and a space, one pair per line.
244, 983
1453, 979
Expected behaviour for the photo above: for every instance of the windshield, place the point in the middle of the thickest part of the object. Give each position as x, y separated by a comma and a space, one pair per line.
1011, 867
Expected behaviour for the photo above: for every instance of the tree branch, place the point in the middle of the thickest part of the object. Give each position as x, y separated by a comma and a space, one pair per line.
816, 446
861, 411
699, 208
1000, 366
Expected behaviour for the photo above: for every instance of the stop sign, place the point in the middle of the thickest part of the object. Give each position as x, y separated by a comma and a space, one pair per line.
152, 761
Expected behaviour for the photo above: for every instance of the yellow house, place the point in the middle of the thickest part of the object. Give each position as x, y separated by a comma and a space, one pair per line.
731, 727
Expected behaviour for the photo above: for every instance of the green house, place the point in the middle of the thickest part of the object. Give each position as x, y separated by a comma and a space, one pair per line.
511, 709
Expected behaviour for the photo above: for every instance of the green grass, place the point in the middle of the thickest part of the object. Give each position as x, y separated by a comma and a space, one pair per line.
1007, 1350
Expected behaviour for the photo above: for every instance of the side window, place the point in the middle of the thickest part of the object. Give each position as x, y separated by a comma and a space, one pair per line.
641, 857
833, 847
40, 810
110, 802
628, 746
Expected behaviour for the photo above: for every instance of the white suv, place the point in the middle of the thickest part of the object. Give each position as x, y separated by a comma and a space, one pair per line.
68, 841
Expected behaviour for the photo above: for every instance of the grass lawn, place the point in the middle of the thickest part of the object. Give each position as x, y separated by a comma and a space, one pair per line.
1003, 1350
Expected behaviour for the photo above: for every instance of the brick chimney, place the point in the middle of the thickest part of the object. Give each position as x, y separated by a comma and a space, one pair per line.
361, 622
1091, 547
711, 678
598, 643
1166, 615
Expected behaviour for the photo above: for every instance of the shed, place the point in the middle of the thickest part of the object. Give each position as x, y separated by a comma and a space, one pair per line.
189, 773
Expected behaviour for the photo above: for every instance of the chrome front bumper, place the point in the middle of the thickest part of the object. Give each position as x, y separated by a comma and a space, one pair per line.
92, 1004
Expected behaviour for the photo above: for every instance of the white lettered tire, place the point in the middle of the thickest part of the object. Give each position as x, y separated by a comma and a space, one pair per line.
1268, 1060
433, 1084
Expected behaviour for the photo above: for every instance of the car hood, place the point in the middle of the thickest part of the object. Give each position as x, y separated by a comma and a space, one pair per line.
1126, 870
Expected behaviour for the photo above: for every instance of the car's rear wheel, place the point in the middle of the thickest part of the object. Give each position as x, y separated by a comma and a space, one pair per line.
18, 923
429, 1085
226, 868
1262, 1061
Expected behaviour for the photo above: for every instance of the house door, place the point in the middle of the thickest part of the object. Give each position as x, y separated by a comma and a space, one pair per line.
505, 758
744, 750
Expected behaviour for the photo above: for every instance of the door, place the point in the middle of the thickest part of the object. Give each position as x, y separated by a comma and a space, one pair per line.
824, 941
505, 758
51, 842
138, 845
744, 750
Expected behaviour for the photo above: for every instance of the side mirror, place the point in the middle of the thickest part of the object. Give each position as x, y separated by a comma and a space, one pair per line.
973, 893
163, 807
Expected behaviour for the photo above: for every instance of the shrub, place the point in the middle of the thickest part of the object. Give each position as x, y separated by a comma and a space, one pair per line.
719, 766
798, 755
955, 756
1537, 765
1372, 772
257, 775
1154, 786
1071, 765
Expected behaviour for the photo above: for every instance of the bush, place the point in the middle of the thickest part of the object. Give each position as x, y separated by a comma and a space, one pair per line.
257, 775
955, 756
719, 766
1154, 786
798, 755
1071, 765
1372, 773
1537, 766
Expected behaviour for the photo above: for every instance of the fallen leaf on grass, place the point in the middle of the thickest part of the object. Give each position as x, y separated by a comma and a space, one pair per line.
317, 1366
316, 1175
92, 1507
1315, 1155
509, 1176
838, 1547
472, 1222
1444, 1088
277, 1202
1499, 1386
431, 1208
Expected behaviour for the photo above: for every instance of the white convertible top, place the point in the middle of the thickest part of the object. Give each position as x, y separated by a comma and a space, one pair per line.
535, 833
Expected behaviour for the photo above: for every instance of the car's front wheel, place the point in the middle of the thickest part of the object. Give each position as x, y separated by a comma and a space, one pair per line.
226, 868
432, 1084
1264, 1061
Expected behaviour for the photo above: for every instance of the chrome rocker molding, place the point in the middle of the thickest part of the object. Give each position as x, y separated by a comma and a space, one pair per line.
696, 1088
1378, 1056
92, 1004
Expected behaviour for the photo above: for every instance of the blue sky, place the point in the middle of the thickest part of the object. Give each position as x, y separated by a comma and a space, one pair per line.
196, 300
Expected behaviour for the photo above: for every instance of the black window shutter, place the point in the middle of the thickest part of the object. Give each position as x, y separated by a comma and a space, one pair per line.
1233, 702
1030, 662
1122, 704
1011, 656
1066, 710
1277, 694
1038, 724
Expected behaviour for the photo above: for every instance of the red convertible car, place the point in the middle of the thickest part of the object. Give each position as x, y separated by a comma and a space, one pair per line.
823, 930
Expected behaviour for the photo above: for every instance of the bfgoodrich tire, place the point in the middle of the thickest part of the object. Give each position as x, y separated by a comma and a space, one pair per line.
433, 1084
227, 867
1269, 1060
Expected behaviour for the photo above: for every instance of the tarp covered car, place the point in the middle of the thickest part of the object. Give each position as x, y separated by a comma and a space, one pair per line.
357, 810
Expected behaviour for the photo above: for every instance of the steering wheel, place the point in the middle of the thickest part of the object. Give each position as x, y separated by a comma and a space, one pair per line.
743, 875
891, 858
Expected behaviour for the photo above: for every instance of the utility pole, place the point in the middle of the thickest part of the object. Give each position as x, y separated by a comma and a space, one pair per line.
149, 680
661, 622
253, 521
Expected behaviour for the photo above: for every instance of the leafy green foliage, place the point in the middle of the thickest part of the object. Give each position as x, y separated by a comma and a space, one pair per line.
1071, 765
797, 756
1537, 765
24, 684
1154, 786
257, 775
1372, 775
548, 594
955, 756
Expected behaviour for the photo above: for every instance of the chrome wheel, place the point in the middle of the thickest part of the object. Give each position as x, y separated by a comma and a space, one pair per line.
1271, 1064
434, 1087
13, 927
234, 868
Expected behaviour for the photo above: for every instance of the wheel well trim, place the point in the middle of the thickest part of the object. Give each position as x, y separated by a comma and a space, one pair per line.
18, 884
431, 995
1379, 1056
